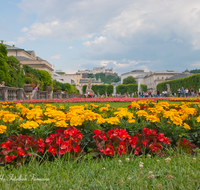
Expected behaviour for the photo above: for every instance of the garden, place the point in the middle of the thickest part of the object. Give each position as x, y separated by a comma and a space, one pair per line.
127, 144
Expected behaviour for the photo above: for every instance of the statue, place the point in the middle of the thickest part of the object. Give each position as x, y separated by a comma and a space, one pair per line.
89, 86
168, 89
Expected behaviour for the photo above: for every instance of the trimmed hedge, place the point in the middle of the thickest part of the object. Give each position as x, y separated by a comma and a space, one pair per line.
102, 89
186, 82
130, 88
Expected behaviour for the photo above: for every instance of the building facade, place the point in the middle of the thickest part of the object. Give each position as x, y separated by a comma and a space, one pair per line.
84, 81
63, 79
29, 58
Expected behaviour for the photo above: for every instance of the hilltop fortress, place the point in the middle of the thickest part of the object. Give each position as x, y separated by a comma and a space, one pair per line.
96, 70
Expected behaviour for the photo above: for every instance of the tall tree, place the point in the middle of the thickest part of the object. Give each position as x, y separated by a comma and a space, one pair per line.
129, 80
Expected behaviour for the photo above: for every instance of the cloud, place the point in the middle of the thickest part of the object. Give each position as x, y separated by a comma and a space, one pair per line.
25, 29
163, 34
10, 42
56, 56
70, 47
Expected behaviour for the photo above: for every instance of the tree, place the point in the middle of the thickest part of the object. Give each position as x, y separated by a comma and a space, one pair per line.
129, 80
4, 64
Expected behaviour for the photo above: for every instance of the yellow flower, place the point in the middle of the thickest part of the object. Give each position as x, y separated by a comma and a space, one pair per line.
3, 128
101, 120
8, 118
61, 124
176, 120
198, 119
152, 118
113, 120
31, 106
103, 109
131, 120
141, 113
29, 125
186, 126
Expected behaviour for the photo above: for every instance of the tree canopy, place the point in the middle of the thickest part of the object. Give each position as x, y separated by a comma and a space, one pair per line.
129, 80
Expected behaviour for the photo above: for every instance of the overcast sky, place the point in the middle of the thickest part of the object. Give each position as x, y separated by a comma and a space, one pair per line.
124, 34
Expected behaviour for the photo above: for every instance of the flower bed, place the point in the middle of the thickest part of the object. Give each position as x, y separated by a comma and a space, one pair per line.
184, 99
79, 100
145, 126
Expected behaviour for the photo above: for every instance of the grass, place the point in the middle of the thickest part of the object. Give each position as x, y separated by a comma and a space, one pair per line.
182, 172
112, 104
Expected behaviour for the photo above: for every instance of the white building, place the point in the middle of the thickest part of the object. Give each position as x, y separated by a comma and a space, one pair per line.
133, 73
151, 79
63, 79
96, 70
154, 78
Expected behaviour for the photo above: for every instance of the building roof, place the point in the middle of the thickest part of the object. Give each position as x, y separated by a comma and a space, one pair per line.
12, 47
21, 58
29, 52
182, 75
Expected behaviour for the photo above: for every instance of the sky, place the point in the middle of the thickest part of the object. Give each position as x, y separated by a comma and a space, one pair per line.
125, 35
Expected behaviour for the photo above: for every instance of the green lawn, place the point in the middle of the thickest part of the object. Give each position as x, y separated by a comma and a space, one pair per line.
112, 104
127, 172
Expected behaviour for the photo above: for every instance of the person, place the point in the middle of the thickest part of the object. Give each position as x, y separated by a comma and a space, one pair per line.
182, 90
186, 92
3, 83
192, 91
37, 87
179, 92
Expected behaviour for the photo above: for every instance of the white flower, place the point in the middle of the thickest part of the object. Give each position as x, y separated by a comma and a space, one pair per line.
149, 155
158, 160
103, 168
168, 160
194, 159
129, 178
119, 161
127, 159
150, 172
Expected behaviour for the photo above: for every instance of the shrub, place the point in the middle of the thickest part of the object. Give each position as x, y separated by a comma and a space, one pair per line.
28, 80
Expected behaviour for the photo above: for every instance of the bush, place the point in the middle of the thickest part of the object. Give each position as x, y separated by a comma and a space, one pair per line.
186, 82
28, 80
130, 88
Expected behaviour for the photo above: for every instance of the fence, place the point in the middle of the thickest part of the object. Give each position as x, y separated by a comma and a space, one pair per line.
9, 93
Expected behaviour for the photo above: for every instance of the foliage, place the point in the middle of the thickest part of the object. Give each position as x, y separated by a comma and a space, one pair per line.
101, 89
4, 64
16, 72
64, 87
64, 141
28, 80
186, 145
38, 75
186, 82
106, 80
195, 71
118, 141
129, 80
129, 88
19, 148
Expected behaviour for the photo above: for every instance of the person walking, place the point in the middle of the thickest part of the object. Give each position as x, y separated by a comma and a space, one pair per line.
182, 90
179, 92
192, 91
186, 92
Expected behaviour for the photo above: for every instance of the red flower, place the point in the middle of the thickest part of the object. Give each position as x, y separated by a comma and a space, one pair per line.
145, 142
97, 131
21, 152
59, 141
8, 158
13, 157
133, 141
52, 150
77, 148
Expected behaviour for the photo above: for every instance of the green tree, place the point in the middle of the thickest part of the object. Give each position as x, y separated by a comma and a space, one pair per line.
4, 64
129, 80
16, 73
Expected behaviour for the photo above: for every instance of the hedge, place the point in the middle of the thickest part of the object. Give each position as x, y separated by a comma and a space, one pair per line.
130, 88
186, 82
101, 89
